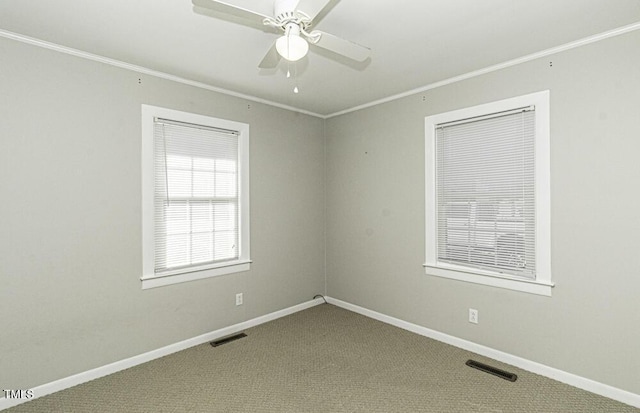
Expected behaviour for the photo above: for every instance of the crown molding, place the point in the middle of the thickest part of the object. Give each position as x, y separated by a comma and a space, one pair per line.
140, 69
144, 70
548, 52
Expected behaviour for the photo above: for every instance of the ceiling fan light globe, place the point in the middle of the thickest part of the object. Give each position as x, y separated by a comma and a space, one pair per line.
292, 47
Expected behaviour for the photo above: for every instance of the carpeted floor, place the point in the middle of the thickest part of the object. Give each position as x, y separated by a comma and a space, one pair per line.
324, 359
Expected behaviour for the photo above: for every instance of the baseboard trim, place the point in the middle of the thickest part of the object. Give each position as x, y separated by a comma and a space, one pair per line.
532, 366
98, 372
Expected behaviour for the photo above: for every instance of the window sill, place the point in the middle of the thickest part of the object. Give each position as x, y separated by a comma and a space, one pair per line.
500, 281
194, 274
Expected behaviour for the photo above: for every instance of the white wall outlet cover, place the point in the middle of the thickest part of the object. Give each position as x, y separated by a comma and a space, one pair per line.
473, 316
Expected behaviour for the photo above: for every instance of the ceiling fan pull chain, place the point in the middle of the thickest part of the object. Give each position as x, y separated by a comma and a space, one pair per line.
295, 77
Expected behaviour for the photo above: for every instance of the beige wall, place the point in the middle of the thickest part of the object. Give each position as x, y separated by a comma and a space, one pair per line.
375, 216
70, 208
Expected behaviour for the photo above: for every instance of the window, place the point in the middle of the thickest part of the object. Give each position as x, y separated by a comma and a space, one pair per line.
195, 183
487, 189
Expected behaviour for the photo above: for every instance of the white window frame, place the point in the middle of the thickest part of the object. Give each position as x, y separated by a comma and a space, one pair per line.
243, 263
542, 284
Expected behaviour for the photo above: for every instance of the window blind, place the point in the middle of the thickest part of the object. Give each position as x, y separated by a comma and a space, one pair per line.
485, 190
195, 195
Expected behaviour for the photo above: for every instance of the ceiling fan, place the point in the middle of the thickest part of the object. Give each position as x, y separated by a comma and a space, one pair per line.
294, 18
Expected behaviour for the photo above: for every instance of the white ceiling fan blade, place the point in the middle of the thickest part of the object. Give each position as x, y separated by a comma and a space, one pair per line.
312, 7
342, 47
227, 8
271, 59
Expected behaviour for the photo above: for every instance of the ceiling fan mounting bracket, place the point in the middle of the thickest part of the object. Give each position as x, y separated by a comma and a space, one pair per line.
284, 20
294, 21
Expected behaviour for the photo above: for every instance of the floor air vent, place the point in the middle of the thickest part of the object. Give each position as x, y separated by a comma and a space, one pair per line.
228, 339
491, 370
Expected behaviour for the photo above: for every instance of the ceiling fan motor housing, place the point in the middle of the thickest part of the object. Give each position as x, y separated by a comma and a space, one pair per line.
284, 10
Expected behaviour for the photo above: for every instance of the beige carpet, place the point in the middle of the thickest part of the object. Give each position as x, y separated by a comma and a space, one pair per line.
324, 359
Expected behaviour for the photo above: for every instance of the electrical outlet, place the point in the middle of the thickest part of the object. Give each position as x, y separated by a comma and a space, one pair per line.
473, 316
239, 299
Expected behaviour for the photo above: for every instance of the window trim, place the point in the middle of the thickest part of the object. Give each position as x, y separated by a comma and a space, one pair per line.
243, 263
542, 284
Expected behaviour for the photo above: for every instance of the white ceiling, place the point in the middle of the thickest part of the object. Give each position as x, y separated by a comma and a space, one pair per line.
414, 42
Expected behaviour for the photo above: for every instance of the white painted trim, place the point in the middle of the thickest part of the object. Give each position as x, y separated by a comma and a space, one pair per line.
243, 263
532, 366
140, 69
542, 284
492, 280
117, 366
550, 372
548, 52
146, 71
194, 274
